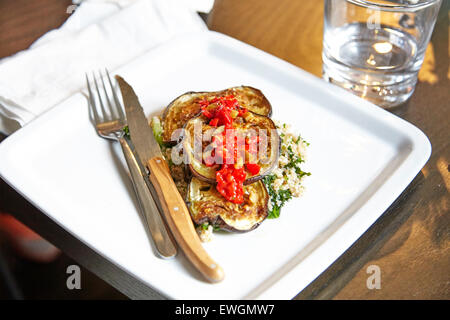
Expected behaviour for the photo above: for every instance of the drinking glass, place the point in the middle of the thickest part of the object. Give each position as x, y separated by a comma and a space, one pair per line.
376, 48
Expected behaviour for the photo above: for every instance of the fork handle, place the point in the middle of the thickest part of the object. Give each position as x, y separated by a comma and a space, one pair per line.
179, 220
161, 238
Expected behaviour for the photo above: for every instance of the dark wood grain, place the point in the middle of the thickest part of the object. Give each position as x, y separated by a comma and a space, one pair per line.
24, 21
410, 242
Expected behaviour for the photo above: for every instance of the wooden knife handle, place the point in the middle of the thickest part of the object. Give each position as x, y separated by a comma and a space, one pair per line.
179, 220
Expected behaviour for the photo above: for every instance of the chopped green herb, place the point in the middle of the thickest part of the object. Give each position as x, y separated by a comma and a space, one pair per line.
157, 130
281, 191
274, 213
278, 199
126, 131
205, 226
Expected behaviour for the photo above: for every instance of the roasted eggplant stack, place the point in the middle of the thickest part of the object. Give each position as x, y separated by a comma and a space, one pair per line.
208, 206
210, 200
187, 106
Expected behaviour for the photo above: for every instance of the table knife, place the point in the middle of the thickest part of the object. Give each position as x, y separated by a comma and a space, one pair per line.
165, 245
173, 206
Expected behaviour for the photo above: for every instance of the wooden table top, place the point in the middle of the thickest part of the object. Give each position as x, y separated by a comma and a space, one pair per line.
410, 242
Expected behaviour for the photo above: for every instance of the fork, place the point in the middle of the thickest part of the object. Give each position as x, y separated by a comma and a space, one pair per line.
110, 121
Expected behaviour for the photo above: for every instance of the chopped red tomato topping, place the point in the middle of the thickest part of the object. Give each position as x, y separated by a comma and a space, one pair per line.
230, 178
221, 110
253, 168
230, 183
214, 122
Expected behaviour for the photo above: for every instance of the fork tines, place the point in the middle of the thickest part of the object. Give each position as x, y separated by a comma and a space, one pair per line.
112, 109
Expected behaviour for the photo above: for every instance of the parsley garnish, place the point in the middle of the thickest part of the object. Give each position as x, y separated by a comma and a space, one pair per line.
205, 226
126, 131
279, 198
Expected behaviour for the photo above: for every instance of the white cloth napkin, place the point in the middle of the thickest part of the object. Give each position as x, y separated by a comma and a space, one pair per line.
98, 34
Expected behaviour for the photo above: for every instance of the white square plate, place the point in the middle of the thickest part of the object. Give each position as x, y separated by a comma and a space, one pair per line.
361, 158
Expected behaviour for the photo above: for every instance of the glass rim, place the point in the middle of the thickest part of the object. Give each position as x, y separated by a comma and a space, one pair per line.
393, 7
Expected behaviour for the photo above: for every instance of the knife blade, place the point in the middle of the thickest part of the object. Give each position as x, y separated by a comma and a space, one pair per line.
140, 132
172, 204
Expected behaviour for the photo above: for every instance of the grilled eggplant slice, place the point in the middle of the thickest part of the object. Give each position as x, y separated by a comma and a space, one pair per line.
245, 123
186, 106
206, 204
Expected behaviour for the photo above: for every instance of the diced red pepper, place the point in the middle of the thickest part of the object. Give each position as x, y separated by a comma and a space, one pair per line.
225, 117
230, 183
230, 178
207, 113
242, 111
214, 122
253, 168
